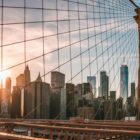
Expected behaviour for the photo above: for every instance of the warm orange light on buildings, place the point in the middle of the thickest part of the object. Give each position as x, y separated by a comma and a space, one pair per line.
3, 76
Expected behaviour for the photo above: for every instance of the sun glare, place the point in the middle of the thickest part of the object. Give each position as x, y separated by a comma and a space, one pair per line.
3, 76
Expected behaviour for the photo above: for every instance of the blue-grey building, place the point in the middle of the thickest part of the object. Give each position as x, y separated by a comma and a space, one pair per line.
124, 82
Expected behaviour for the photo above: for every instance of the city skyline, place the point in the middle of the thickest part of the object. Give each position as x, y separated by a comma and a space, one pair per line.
60, 100
96, 89
95, 55
69, 69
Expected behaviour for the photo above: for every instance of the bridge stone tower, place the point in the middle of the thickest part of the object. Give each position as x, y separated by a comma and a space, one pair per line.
137, 19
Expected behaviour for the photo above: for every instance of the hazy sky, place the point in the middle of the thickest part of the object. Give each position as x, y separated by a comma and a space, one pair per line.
107, 50
138, 2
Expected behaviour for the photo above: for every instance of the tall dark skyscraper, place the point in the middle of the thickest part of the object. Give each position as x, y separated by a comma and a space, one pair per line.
16, 103
133, 89
124, 82
57, 84
104, 84
37, 100
70, 100
27, 76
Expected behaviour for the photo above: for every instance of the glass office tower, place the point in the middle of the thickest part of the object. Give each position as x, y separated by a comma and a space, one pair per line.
124, 82
92, 81
104, 84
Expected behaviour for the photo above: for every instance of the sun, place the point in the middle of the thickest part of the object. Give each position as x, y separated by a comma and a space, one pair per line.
4, 75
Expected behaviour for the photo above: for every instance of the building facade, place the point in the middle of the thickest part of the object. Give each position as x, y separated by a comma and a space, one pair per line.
57, 80
92, 81
16, 103
113, 95
37, 100
57, 84
124, 82
104, 84
133, 89
24, 78
70, 104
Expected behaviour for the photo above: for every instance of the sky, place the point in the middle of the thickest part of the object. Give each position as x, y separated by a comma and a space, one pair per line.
57, 43
138, 2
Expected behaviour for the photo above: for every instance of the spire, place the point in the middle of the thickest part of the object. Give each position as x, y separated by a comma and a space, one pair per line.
27, 67
27, 75
39, 78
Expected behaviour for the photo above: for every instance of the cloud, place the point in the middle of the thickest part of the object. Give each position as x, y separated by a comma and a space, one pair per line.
57, 36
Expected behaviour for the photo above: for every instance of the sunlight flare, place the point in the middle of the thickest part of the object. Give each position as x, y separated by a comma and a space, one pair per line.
4, 75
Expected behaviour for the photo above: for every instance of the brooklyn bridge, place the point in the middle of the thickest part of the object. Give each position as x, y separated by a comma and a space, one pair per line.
69, 69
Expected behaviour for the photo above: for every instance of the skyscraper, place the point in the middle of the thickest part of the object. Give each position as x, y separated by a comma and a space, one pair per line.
37, 100
27, 76
4, 103
57, 80
8, 89
70, 91
5, 94
133, 88
57, 85
16, 103
20, 81
86, 88
124, 82
92, 81
24, 78
104, 84
8, 84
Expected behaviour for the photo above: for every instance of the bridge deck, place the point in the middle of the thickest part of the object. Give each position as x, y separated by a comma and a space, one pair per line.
66, 129
7, 136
